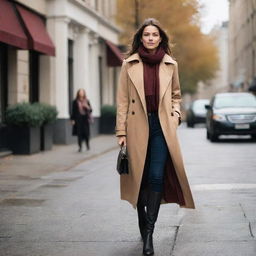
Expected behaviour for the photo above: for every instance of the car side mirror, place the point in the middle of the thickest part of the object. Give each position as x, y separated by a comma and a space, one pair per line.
208, 106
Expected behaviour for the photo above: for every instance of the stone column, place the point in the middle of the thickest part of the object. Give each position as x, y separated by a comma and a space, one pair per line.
81, 60
60, 65
58, 78
93, 87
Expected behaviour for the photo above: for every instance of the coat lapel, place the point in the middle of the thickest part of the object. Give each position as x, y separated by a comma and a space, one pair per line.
135, 72
165, 75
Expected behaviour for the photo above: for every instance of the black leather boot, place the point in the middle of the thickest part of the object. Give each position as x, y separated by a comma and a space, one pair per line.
153, 205
142, 202
87, 143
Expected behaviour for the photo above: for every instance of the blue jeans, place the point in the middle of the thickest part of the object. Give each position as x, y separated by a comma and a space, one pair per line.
156, 155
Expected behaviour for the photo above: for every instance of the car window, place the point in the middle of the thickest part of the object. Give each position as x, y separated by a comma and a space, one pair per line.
200, 105
235, 101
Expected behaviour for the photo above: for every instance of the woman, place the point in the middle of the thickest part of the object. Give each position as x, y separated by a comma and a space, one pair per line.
80, 118
148, 113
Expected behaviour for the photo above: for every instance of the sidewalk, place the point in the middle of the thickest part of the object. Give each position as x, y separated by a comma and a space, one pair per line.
49, 208
65, 203
21, 168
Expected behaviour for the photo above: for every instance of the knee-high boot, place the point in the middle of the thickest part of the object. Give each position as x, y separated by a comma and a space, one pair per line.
153, 205
142, 202
87, 143
79, 141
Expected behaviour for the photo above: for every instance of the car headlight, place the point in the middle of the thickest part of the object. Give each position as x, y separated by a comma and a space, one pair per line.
219, 117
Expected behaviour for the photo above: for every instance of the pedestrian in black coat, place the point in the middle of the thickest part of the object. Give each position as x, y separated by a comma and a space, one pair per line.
81, 118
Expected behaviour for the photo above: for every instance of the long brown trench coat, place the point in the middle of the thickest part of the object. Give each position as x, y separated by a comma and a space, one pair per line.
132, 121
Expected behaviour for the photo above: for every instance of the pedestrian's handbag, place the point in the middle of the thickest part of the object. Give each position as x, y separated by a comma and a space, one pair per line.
122, 161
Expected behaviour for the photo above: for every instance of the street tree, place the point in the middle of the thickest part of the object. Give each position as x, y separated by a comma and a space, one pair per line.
195, 52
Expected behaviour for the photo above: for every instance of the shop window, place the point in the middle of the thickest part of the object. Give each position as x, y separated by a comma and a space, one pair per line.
33, 76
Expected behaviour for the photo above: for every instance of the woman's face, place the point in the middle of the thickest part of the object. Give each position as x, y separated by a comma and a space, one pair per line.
81, 94
151, 38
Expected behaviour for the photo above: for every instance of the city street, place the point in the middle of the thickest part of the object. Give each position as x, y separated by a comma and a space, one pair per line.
76, 210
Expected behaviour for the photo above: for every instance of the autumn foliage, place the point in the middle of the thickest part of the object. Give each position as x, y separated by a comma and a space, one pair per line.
195, 52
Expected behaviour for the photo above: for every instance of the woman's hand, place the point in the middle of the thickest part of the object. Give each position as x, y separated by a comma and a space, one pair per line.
73, 122
86, 105
122, 140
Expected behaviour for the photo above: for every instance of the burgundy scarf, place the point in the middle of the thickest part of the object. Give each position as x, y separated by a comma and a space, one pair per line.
151, 64
82, 106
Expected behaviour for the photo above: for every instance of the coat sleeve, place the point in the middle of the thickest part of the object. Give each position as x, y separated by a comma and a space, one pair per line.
176, 93
122, 100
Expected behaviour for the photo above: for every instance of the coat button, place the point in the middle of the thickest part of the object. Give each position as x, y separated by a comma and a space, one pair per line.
133, 101
133, 113
172, 106
172, 114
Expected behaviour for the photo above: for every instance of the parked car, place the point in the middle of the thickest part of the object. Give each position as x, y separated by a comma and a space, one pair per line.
231, 113
196, 112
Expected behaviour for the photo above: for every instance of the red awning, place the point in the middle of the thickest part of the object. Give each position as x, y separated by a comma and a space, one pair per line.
114, 55
39, 39
11, 31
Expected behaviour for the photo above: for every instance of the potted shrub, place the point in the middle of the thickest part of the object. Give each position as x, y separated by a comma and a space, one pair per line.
108, 119
24, 121
49, 114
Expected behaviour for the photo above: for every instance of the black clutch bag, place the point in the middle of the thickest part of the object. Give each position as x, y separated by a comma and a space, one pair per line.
122, 161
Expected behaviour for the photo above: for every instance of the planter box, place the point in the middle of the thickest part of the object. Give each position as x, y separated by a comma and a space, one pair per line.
46, 137
107, 124
3, 136
24, 140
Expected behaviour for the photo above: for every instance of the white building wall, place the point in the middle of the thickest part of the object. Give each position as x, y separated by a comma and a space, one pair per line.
36, 5
18, 80
86, 25
87, 48
23, 72
242, 33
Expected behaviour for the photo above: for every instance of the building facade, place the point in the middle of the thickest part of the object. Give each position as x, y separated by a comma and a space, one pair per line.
59, 46
242, 43
220, 82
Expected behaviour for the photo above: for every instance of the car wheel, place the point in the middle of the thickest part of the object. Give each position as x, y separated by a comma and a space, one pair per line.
213, 137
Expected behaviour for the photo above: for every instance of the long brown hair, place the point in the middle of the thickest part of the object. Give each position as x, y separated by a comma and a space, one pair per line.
77, 94
138, 35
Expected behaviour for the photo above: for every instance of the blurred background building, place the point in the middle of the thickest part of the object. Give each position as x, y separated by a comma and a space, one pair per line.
51, 48
220, 81
242, 43
236, 44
